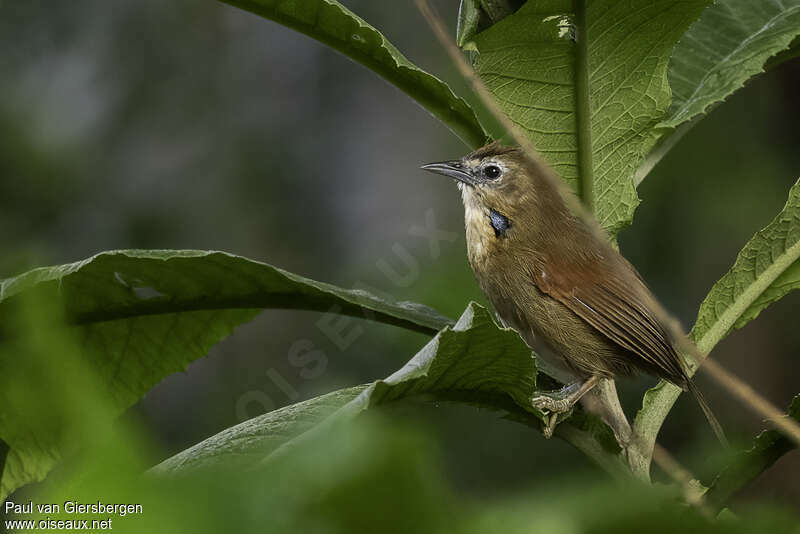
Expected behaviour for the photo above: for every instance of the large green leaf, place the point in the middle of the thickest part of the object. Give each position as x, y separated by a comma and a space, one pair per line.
473, 360
767, 268
140, 316
247, 443
767, 448
728, 45
732, 41
333, 24
531, 64
134, 284
50, 400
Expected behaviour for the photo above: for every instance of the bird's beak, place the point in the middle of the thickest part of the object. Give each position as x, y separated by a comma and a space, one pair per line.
452, 169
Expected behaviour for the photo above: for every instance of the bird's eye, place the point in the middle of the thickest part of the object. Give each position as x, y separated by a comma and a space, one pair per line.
491, 171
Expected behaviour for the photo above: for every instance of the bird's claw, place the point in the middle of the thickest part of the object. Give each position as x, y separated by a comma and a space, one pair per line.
549, 425
545, 403
551, 406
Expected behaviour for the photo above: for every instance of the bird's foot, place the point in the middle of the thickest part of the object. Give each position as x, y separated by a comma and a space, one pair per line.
545, 403
553, 403
549, 426
556, 401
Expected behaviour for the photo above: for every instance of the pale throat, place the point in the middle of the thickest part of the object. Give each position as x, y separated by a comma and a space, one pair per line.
477, 224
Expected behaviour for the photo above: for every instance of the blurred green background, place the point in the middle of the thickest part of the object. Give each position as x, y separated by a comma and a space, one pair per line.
191, 124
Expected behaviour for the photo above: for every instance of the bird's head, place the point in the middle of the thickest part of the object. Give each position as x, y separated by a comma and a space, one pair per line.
498, 184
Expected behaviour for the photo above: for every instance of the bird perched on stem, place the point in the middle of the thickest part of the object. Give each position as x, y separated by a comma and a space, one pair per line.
556, 280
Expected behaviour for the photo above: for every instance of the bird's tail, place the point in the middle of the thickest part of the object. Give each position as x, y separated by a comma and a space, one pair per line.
712, 419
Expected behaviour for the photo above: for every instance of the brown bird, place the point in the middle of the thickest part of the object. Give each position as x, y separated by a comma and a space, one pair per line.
553, 278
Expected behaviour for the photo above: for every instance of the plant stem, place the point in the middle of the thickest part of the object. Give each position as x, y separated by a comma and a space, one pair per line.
582, 108
664, 145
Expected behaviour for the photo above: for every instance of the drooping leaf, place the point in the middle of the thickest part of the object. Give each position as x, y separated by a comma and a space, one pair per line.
733, 41
725, 47
50, 398
331, 23
767, 449
120, 285
529, 62
142, 315
474, 358
766, 269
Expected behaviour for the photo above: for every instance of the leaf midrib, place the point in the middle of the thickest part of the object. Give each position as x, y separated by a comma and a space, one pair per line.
746, 298
583, 114
254, 301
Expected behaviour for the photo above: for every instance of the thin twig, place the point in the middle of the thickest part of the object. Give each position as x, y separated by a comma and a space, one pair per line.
767, 448
435, 22
670, 465
752, 399
692, 491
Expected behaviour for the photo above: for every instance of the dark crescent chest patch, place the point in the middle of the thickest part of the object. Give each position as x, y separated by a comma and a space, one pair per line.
500, 223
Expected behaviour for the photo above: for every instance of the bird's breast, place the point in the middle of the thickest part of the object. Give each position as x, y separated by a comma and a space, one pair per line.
481, 238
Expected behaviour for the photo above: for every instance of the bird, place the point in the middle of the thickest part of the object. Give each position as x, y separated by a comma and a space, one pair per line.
551, 276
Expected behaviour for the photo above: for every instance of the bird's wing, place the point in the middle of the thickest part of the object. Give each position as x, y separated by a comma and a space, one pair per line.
618, 309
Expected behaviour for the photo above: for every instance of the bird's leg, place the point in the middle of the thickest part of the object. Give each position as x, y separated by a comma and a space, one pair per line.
552, 403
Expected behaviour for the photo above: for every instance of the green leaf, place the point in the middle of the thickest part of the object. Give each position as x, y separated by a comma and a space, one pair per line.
499, 9
247, 443
50, 399
767, 448
142, 315
469, 21
767, 268
790, 53
474, 360
3, 455
728, 45
124, 285
333, 24
531, 64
